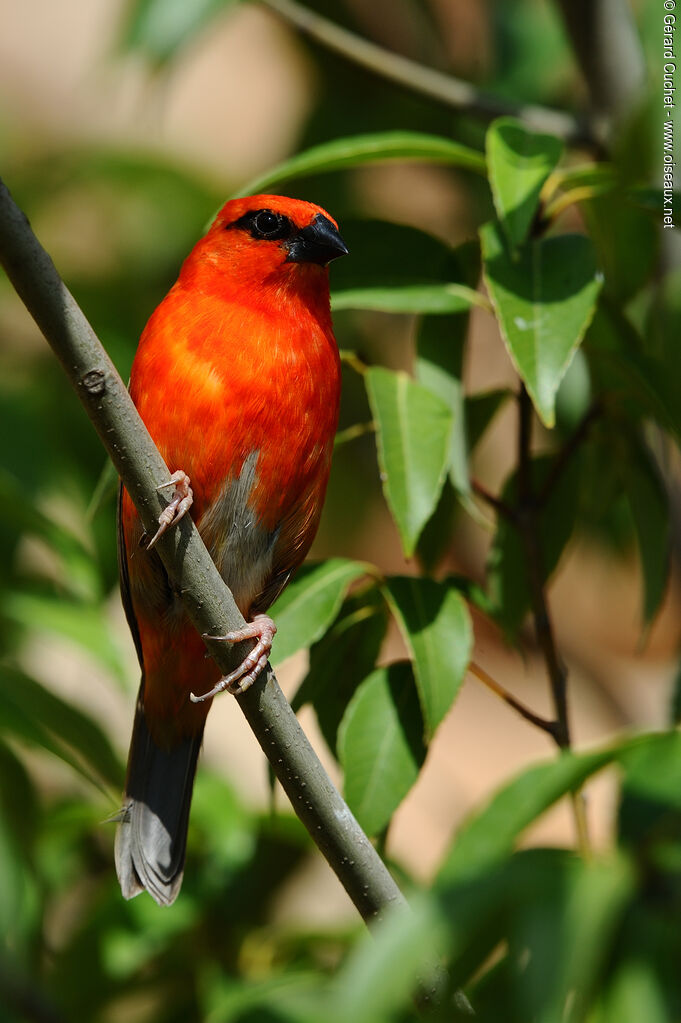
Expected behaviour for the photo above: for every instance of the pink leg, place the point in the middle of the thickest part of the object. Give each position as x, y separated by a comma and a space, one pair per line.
179, 505
261, 628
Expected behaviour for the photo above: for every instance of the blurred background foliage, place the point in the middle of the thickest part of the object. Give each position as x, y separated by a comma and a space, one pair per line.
123, 126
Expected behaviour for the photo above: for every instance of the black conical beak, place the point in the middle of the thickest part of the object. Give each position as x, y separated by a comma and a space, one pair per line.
320, 242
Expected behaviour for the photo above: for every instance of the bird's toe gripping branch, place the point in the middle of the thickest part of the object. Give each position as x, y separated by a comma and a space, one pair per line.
178, 507
238, 681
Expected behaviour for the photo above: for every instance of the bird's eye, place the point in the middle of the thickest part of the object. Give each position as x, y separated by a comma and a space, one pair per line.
270, 226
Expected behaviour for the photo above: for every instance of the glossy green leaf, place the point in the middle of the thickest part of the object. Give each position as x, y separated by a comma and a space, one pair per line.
413, 437
622, 365
342, 659
310, 602
635, 993
440, 347
436, 625
627, 242
380, 147
650, 807
414, 298
161, 27
519, 162
544, 300
491, 834
32, 713
439, 367
380, 742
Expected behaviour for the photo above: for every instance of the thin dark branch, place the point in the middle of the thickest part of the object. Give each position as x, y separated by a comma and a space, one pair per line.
528, 525
568, 450
208, 601
443, 88
549, 727
500, 507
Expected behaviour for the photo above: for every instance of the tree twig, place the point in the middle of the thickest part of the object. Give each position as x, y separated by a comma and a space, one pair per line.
546, 726
499, 506
443, 88
528, 525
208, 601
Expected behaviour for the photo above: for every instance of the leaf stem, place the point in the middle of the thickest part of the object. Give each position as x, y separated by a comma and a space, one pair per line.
503, 509
353, 360
353, 432
443, 88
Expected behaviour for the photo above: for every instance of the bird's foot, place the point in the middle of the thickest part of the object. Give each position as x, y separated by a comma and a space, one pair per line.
238, 681
178, 507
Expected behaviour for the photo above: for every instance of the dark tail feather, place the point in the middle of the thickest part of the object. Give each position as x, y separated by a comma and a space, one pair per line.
151, 836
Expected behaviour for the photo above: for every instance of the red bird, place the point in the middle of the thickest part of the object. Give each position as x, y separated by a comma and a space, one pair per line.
237, 377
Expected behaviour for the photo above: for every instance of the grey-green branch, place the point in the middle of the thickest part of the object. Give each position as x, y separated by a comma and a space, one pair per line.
435, 85
208, 601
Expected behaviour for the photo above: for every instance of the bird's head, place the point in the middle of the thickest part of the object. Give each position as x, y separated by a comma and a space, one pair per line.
270, 241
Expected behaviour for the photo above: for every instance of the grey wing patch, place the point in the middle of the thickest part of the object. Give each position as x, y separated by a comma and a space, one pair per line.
242, 550
124, 580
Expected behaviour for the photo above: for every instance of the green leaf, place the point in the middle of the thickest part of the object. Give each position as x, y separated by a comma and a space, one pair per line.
436, 626
620, 362
31, 712
385, 967
544, 301
440, 346
415, 298
439, 367
508, 581
519, 163
627, 242
491, 834
380, 741
83, 623
597, 898
413, 437
353, 151
310, 602
342, 659
78, 569
160, 27
650, 809
635, 993
18, 799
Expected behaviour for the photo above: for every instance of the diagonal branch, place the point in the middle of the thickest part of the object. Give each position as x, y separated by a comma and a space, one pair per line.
604, 37
443, 88
208, 601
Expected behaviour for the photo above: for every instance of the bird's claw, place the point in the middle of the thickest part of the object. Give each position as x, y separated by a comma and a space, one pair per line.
238, 681
179, 505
